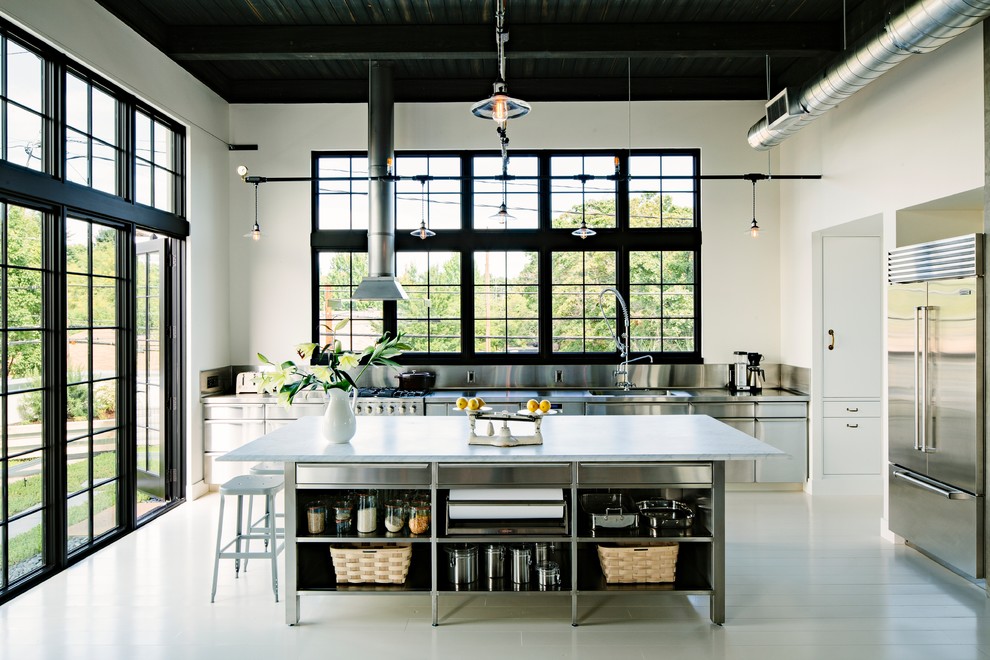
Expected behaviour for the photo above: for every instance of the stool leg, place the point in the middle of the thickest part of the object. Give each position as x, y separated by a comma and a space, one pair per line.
269, 512
237, 539
216, 559
270, 506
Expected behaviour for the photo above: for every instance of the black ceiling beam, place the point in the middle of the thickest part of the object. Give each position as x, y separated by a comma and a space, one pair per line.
468, 91
539, 41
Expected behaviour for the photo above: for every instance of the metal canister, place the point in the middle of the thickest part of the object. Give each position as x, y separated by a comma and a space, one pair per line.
520, 559
548, 575
545, 552
462, 563
494, 561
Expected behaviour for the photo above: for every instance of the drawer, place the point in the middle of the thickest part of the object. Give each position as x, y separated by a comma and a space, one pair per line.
644, 473
516, 474
794, 409
851, 409
225, 435
724, 409
241, 411
851, 446
219, 472
357, 474
295, 411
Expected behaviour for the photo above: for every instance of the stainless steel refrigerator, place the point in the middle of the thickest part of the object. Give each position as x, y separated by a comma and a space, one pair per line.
935, 362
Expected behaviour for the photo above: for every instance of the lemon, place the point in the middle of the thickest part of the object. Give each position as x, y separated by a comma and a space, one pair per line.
545, 405
473, 404
461, 403
532, 405
481, 401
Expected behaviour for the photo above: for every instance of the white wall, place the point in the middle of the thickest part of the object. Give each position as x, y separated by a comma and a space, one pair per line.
913, 135
91, 35
270, 299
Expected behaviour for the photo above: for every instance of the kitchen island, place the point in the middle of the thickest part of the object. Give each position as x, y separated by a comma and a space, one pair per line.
671, 457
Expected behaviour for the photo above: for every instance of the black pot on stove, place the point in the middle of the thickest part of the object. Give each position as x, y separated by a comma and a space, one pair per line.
417, 380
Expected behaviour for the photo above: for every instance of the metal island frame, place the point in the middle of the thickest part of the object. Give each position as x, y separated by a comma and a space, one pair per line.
683, 455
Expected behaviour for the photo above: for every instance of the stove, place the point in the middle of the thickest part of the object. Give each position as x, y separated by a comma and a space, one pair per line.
390, 401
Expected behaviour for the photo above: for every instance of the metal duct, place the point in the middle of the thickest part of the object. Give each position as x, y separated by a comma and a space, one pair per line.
380, 284
921, 28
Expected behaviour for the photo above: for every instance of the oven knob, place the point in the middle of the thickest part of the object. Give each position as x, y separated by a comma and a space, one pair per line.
412, 408
357, 409
381, 409
391, 409
402, 409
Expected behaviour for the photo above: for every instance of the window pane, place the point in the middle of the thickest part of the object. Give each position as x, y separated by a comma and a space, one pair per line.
340, 273
25, 487
520, 194
577, 280
26, 549
24, 425
23, 360
432, 281
104, 168
104, 301
76, 103
25, 74
506, 304
24, 138
142, 137
76, 246
77, 460
104, 117
76, 157
23, 237
104, 250
105, 509
163, 189
24, 297
77, 355
142, 183
78, 521
662, 304
164, 156
77, 299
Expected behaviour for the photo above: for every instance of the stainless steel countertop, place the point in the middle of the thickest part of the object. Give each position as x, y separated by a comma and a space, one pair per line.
490, 395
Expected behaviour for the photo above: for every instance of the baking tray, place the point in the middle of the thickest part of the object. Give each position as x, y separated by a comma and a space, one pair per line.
609, 510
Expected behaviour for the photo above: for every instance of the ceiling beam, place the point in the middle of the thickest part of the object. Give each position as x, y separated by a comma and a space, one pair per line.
540, 41
531, 89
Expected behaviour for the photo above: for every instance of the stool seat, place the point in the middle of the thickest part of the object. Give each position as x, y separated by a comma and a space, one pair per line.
268, 467
252, 484
249, 485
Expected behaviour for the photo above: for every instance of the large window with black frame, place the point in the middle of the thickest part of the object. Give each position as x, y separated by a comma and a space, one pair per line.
505, 278
90, 174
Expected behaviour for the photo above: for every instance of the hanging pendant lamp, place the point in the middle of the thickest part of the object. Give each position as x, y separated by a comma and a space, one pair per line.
500, 107
754, 228
423, 232
584, 231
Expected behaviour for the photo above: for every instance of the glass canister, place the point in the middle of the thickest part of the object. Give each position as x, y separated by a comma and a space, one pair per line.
367, 512
342, 516
316, 518
395, 516
548, 575
544, 552
419, 517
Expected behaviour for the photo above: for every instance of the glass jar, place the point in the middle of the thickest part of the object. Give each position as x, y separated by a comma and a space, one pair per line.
342, 516
395, 516
316, 518
419, 517
367, 512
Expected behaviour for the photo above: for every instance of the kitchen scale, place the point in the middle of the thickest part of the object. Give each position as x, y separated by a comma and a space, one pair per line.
503, 436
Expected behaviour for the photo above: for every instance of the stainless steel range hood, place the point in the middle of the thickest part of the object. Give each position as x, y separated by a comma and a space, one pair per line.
380, 284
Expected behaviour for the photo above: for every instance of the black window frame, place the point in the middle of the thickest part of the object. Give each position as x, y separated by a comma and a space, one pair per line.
621, 239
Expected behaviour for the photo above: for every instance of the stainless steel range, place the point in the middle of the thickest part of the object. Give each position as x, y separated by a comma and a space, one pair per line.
390, 401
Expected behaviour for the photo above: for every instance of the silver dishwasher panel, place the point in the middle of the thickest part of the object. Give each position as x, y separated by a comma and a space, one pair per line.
638, 408
948, 530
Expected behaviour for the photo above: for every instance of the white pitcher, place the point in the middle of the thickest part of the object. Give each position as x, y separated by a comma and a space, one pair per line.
339, 423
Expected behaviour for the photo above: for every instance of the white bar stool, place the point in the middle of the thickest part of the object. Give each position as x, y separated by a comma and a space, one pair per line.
267, 468
249, 485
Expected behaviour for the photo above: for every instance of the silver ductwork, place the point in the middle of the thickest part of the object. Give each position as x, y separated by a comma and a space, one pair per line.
380, 284
921, 28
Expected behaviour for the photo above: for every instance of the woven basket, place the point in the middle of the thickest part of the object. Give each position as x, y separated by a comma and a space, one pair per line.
369, 562
651, 563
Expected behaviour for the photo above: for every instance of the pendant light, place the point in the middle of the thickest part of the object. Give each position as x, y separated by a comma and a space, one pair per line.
754, 228
502, 216
423, 232
500, 107
255, 233
584, 231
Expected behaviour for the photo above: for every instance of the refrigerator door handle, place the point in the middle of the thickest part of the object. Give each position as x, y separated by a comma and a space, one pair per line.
927, 443
918, 354
938, 489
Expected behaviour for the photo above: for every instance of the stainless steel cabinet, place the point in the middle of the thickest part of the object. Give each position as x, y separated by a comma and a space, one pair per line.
788, 435
643, 408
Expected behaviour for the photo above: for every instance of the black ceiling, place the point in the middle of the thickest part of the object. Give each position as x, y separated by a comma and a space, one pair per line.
306, 51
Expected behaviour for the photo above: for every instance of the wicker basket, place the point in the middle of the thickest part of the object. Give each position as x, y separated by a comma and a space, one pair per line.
369, 562
650, 563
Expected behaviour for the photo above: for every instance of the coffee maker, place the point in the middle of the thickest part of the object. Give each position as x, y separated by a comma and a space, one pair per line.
755, 376
745, 373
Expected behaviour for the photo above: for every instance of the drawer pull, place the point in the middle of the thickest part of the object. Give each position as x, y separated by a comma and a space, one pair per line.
852, 426
852, 409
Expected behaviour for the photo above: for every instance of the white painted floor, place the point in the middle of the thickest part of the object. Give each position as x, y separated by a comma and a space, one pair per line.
808, 577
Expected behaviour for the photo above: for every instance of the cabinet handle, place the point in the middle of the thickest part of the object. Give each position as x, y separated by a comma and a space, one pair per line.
831, 343
852, 409
852, 426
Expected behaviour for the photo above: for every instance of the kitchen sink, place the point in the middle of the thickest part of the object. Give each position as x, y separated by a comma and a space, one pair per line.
638, 391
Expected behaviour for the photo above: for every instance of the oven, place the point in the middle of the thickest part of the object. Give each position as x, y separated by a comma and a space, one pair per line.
390, 401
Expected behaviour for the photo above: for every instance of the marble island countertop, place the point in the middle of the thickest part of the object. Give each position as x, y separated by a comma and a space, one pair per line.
565, 438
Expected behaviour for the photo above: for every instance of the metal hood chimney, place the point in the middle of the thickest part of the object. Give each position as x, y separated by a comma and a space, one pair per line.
920, 28
380, 284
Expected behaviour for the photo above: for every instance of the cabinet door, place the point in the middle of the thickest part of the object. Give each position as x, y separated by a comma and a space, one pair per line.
851, 445
219, 435
787, 435
852, 308
741, 471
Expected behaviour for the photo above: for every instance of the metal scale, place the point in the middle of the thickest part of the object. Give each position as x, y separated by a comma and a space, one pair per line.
503, 436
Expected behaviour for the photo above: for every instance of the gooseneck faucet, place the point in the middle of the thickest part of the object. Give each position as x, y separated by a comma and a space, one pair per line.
621, 373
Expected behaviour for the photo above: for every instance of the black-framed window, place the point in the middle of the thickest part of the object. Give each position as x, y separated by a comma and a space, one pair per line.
24, 111
93, 150
356, 324
535, 298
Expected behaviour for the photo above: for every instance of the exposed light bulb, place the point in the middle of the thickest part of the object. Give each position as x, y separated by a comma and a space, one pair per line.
423, 232
754, 229
584, 231
242, 171
500, 108
256, 233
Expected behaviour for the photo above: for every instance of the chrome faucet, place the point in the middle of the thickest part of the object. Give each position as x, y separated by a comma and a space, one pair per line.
621, 372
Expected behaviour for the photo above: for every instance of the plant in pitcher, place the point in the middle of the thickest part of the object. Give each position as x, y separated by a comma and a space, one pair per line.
326, 368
